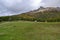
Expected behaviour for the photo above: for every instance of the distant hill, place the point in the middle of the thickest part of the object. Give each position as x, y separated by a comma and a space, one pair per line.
41, 14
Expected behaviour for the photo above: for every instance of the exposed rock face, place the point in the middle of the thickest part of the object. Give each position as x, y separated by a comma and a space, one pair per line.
42, 9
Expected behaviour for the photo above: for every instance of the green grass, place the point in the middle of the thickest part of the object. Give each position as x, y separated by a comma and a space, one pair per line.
23, 30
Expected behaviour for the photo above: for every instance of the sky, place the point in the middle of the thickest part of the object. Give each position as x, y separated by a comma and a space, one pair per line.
11, 7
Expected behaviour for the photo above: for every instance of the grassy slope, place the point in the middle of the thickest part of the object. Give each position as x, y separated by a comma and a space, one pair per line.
21, 30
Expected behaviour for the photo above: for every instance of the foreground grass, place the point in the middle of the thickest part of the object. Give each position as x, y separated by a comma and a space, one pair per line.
21, 30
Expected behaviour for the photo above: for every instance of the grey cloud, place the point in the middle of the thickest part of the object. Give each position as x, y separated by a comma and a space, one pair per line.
51, 3
13, 8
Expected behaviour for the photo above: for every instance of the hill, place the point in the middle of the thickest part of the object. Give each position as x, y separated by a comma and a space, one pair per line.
42, 14
50, 14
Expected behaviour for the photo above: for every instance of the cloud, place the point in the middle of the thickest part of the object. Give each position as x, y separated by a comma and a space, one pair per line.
51, 3
35, 3
9, 3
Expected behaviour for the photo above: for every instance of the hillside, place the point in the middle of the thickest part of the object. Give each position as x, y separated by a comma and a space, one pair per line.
50, 14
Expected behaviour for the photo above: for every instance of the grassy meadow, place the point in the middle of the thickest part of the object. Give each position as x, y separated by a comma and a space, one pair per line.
24, 30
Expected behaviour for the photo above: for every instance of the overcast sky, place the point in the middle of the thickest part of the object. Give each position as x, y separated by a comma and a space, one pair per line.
10, 7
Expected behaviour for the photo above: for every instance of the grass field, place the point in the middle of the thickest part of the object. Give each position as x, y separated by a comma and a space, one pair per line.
21, 30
